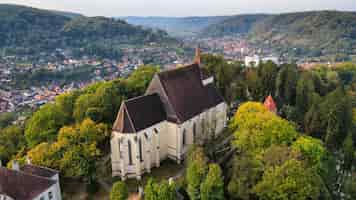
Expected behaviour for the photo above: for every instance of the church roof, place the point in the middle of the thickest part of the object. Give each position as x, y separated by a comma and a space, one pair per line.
175, 95
139, 113
20, 185
270, 104
186, 92
39, 171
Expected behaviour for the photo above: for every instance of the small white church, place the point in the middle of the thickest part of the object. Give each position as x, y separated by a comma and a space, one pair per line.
181, 107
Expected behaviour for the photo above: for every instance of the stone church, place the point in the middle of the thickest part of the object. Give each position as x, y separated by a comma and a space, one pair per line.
180, 107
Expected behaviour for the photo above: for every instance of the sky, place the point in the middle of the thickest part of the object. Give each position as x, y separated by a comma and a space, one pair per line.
180, 8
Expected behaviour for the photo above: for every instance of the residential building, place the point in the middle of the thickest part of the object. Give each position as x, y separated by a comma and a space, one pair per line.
29, 182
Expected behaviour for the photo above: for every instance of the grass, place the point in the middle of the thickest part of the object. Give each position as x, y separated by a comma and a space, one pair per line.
75, 189
167, 169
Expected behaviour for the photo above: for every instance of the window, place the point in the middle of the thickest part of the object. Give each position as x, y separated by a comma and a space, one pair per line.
119, 148
129, 152
50, 195
140, 149
184, 138
194, 132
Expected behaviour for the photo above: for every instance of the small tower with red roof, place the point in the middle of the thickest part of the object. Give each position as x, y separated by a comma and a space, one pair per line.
197, 59
270, 104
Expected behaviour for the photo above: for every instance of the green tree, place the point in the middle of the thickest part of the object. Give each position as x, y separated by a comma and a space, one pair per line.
160, 191
337, 113
267, 73
6, 118
66, 101
213, 186
313, 121
166, 191
276, 155
150, 190
291, 181
44, 124
348, 151
75, 151
119, 191
196, 171
311, 149
108, 99
12, 140
304, 93
82, 105
350, 188
258, 129
246, 173
138, 81
286, 84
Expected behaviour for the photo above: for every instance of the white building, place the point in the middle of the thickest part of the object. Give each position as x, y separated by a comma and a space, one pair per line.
255, 60
181, 106
29, 182
252, 61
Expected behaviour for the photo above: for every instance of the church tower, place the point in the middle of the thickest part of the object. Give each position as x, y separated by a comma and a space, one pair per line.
197, 59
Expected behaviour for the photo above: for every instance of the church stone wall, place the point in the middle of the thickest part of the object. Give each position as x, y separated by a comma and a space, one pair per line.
163, 140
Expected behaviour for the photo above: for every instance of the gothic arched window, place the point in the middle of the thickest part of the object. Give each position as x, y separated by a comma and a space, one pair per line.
140, 149
194, 131
129, 152
184, 142
119, 144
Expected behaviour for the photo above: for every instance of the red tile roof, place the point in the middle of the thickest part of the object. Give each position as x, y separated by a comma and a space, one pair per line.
270, 104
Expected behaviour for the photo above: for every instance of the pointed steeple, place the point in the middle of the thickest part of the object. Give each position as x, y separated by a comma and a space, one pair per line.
270, 104
197, 59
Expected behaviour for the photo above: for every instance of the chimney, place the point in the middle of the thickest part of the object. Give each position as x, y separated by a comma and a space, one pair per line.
197, 56
15, 165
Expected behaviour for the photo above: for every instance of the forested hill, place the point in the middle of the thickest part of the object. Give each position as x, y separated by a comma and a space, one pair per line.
239, 24
176, 26
319, 33
28, 30
313, 33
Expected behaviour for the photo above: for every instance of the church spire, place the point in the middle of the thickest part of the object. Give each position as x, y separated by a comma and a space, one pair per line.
197, 59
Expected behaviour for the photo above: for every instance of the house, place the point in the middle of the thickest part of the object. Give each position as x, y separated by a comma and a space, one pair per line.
181, 107
254, 61
29, 182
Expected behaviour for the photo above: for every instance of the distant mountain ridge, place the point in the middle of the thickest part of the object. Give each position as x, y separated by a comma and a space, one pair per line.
176, 26
26, 30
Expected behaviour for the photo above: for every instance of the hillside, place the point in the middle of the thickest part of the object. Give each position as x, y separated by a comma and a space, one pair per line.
311, 33
314, 34
239, 24
25, 30
175, 26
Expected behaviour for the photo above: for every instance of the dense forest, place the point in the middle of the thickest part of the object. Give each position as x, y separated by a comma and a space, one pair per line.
25, 30
240, 24
304, 151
